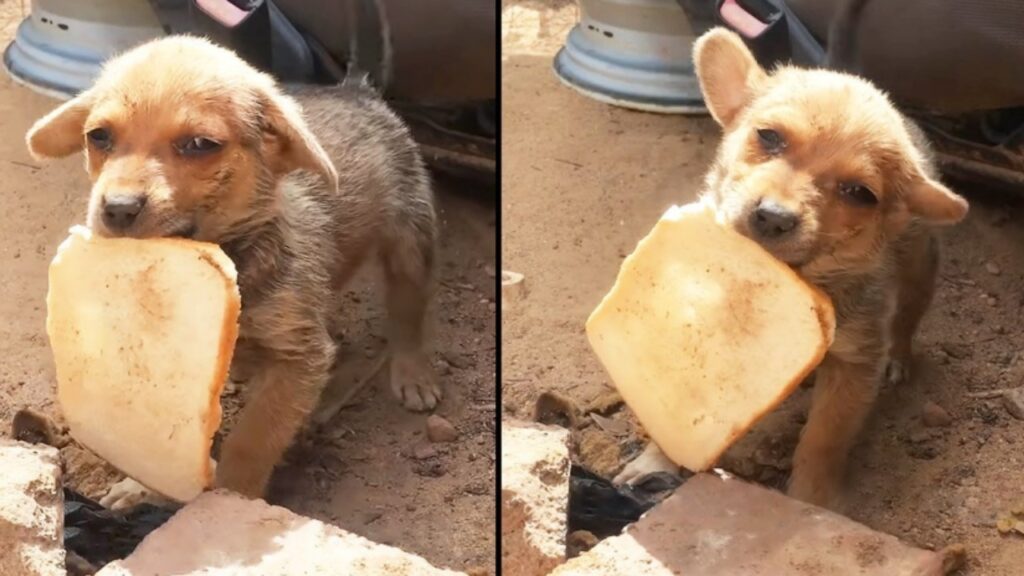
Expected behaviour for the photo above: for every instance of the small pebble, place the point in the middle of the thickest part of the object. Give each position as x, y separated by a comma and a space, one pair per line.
993, 268
424, 451
579, 541
1013, 401
443, 368
933, 415
440, 430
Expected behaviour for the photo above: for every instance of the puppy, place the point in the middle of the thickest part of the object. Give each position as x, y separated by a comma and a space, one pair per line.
183, 138
821, 170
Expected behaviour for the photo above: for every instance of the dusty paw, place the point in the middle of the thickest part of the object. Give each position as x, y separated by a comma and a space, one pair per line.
128, 493
897, 372
413, 382
651, 461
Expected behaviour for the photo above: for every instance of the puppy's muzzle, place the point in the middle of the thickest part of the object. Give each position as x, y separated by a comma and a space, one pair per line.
121, 210
772, 221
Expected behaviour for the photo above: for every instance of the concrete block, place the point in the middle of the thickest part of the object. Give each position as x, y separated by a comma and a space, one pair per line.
223, 534
714, 526
534, 497
31, 510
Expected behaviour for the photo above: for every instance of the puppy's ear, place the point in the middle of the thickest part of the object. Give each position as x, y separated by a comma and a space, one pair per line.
930, 200
292, 146
728, 73
59, 133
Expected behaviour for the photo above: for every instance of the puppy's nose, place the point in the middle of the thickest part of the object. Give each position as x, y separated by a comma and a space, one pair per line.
772, 220
120, 210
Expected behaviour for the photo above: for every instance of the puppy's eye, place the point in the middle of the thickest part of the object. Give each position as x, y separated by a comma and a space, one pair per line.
771, 141
100, 138
857, 194
197, 146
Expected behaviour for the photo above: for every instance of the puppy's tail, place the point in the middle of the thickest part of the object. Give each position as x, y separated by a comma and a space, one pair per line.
841, 54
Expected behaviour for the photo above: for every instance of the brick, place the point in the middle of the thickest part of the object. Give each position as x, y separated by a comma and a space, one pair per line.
31, 510
534, 497
223, 534
715, 526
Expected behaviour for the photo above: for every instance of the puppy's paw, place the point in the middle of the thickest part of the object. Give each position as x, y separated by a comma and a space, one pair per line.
897, 372
128, 493
651, 461
413, 381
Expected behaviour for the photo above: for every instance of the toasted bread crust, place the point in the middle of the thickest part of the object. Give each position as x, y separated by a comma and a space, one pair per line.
821, 308
209, 417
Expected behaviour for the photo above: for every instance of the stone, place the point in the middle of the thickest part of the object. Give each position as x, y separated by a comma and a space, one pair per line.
534, 497
1013, 401
713, 525
221, 533
935, 416
440, 430
31, 510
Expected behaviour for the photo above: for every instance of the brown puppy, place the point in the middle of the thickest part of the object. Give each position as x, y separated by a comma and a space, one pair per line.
821, 170
183, 138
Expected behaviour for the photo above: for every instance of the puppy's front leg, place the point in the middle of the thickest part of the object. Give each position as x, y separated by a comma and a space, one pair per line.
285, 391
844, 392
408, 267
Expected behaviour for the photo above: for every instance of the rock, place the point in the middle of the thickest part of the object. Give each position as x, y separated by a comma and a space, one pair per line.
223, 533
580, 541
993, 268
727, 526
534, 497
605, 403
431, 468
556, 409
513, 289
478, 488
934, 416
597, 451
31, 510
422, 451
36, 427
440, 430
1013, 400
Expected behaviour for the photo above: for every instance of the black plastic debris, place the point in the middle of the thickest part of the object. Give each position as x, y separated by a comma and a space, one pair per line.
101, 536
603, 509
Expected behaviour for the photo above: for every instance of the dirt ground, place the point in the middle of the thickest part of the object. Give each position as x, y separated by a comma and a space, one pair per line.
370, 470
582, 182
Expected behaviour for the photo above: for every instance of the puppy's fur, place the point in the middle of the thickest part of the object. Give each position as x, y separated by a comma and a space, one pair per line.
821, 170
298, 197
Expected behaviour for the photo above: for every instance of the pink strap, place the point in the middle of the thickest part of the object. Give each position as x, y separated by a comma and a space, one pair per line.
741, 20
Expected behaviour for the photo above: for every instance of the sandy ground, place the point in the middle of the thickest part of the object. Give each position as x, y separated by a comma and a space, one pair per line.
370, 470
582, 182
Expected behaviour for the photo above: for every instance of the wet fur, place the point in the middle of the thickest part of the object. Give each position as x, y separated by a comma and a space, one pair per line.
308, 185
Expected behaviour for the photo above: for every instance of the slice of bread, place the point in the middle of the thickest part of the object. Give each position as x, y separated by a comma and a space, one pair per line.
704, 332
142, 333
